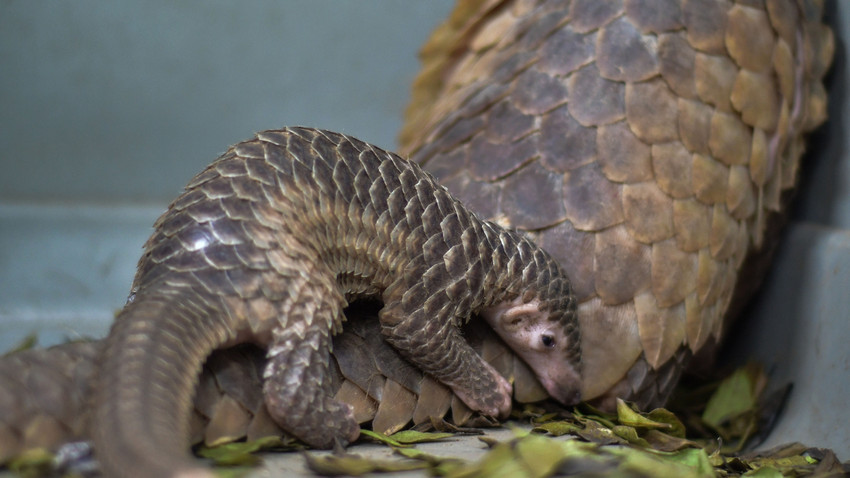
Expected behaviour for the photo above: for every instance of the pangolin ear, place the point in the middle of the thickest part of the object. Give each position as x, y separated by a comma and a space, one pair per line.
517, 318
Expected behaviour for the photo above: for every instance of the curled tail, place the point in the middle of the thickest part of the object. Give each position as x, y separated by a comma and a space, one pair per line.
148, 376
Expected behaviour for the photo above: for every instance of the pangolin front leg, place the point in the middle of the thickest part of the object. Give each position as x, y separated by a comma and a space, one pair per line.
297, 384
438, 348
297, 388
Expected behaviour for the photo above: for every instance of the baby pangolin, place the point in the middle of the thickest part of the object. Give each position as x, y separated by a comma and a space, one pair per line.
268, 245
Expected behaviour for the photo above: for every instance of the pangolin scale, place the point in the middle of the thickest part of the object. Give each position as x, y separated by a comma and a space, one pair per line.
646, 144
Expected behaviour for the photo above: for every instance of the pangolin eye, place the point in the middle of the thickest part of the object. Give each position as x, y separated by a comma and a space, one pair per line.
548, 340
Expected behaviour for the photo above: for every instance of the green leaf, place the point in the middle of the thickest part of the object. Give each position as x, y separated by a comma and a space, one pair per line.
557, 428
787, 465
500, 461
540, 455
26, 343
694, 458
405, 438
420, 455
663, 465
662, 415
380, 437
34, 462
440, 466
413, 436
766, 472
518, 432
585, 411
717, 460
627, 416
531, 455
355, 465
240, 453
630, 435
734, 396
547, 417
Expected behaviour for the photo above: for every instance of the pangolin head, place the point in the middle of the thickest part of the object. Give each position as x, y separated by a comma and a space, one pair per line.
541, 324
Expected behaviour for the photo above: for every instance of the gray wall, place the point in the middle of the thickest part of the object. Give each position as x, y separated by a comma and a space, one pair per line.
799, 325
124, 101
108, 108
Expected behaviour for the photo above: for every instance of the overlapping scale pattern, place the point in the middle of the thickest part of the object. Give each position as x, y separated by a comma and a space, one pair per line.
644, 143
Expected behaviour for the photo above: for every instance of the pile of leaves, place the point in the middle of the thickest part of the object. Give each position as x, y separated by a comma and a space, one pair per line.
706, 437
703, 439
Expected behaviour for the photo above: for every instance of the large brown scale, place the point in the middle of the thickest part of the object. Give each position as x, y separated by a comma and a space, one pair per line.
645, 144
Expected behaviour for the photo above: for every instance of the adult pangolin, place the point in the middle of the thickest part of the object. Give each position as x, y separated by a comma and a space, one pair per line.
648, 145
269, 243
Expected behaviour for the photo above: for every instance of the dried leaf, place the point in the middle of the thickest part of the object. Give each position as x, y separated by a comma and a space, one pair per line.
663, 442
442, 425
355, 465
500, 461
528, 410
599, 434
797, 465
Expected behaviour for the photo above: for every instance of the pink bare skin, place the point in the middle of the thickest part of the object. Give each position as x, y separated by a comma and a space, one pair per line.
541, 343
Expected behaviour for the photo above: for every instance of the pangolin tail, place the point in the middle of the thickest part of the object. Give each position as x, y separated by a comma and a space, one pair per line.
148, 375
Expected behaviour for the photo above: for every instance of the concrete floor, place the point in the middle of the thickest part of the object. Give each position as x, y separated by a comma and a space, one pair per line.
465, 447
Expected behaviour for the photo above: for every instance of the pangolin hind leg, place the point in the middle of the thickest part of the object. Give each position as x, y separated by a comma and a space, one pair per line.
297, 383
436, 346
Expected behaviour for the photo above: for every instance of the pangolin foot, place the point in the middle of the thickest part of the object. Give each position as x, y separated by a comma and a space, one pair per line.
334, 425
491, 397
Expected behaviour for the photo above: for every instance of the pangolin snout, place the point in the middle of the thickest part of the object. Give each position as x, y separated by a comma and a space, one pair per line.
565, 389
